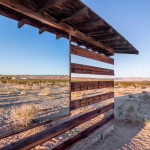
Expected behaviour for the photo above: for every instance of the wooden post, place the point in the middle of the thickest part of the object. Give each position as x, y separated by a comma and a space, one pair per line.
70, 71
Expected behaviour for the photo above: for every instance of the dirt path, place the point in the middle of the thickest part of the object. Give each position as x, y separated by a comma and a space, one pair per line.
126, 137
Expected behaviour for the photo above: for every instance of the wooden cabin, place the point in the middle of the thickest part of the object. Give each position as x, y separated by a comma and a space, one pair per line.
92, 37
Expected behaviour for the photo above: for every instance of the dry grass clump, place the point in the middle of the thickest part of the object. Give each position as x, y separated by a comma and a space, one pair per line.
45, 92
75, 94
131, 96
145, 97
145, 120
143, 87
24, 114
120, 93
132, 116
23, 93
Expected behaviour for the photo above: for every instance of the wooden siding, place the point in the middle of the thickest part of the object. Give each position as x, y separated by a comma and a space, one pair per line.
76, 50
90, 85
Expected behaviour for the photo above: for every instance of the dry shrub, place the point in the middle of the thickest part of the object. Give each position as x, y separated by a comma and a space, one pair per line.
143, 87
45, 92
75, 94
144, 92
132, 115
120, 93
145, 121
23, 93
24, 114
131, 96
145, 97
10, 92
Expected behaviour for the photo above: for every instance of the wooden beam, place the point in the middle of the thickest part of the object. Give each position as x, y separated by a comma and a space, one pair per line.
107, 37
89, 24
120, 46
58, 36
43, 136
48, 4
101, 31
71, 142
83, 69
78, 13
28, 3
116, 37
75, 104
124, 48
127, 52
61, 26
90, 85
9, 14
90, 54
113, 42
42, 29
22, 22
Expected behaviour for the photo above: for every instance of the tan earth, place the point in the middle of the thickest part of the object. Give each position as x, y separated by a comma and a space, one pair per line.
132, 126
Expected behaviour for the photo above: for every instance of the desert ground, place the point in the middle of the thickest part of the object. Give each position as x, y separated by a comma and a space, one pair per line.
132, 121
131, 124
39, 102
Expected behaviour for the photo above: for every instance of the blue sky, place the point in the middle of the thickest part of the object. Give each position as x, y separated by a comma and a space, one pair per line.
24, 51
131, 18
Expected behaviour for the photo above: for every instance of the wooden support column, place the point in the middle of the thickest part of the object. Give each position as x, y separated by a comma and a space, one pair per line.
70, 71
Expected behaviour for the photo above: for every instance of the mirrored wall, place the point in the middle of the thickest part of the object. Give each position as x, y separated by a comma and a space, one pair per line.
34, 77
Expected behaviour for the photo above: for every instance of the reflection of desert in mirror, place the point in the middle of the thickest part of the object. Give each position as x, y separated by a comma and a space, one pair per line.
94, 91
34, 82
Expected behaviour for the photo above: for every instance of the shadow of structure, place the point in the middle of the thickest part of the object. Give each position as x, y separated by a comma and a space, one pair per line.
132, 123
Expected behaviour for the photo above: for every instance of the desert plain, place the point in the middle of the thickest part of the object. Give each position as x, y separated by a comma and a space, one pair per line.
131, 126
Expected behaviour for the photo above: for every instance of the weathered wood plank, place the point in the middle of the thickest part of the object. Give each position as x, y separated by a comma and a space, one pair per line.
120, 46
117, 37
22, 22
89, 85
43, 136
75, 104
100, 31
71, 142
89, 24
115, 42
80, 12
49, 4
90, 54
83, 69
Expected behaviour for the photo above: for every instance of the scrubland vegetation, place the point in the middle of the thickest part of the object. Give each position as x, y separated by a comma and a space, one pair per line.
141, 84
30, 81
24, 114
29, 100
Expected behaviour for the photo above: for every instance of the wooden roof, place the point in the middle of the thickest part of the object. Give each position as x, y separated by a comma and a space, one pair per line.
64, 17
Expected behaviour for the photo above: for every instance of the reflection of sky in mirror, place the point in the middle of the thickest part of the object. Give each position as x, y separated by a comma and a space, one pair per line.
91, 62
24, 51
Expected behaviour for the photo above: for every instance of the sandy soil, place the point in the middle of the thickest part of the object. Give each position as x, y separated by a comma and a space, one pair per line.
126, 137
132, 127
51, 101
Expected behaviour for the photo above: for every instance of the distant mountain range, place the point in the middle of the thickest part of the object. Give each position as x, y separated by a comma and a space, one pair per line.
132, 79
